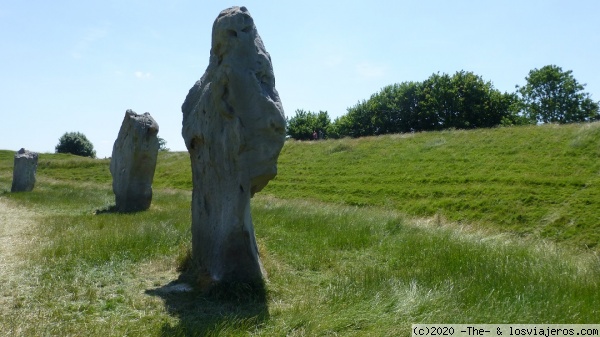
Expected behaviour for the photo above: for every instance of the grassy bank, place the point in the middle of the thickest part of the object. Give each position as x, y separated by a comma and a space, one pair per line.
540, 180
348, 251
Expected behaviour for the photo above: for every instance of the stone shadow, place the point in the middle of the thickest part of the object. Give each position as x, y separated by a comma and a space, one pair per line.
113, 209
106, 210
206, 313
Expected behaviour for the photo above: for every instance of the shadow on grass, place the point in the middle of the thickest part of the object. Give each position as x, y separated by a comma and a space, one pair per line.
106, 210
112, 209
226, 309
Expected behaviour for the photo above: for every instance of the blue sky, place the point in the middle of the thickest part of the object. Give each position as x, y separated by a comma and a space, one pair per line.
78, 65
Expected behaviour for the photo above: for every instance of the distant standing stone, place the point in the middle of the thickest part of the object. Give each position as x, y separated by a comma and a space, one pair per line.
234, 129
24, 171
133, 162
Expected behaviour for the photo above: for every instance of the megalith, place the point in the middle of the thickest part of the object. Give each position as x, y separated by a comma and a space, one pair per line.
234, 129
25, 166
133, 162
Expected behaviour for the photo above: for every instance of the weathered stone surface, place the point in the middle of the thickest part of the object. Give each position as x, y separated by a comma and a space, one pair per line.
25, 166
234, 129
133, 162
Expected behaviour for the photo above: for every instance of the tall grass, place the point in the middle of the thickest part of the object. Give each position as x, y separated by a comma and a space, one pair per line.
331, 270
382, 269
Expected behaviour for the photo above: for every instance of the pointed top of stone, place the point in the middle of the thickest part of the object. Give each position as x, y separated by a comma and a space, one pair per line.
233, 20
23, 153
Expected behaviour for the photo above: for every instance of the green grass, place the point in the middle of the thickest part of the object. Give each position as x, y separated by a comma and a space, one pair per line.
536, 180
533, 180
359, 238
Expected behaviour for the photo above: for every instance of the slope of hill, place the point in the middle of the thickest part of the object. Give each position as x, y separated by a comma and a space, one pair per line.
542, 180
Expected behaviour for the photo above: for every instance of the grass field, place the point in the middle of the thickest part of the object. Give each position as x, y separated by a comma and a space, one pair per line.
540, 180
360, 237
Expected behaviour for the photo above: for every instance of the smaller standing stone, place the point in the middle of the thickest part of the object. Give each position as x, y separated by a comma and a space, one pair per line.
24, 171
133, 162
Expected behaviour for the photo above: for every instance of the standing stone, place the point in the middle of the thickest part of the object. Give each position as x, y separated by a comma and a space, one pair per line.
234, 129
134, 161
24, 170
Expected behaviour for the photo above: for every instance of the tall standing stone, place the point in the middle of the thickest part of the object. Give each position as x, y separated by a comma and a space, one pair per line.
133, 162
234, 129
25, 166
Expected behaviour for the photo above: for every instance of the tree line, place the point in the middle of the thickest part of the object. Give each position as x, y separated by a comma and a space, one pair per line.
461, 101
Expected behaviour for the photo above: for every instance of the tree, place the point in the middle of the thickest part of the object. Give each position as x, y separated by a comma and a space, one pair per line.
75, 143
304, 123
395, 108
552, 95
359, 120
162, 145
463, 101
340, 128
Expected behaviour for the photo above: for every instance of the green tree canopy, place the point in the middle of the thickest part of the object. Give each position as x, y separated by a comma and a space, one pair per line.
162, 145
304, 123
552, 95
75, 143
463, 100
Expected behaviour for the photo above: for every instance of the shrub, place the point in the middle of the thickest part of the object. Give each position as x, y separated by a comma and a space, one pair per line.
75, 143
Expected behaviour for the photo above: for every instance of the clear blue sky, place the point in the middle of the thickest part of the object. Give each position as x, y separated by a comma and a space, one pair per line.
78, 65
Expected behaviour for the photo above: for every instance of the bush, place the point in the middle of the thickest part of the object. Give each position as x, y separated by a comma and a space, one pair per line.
75, 143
